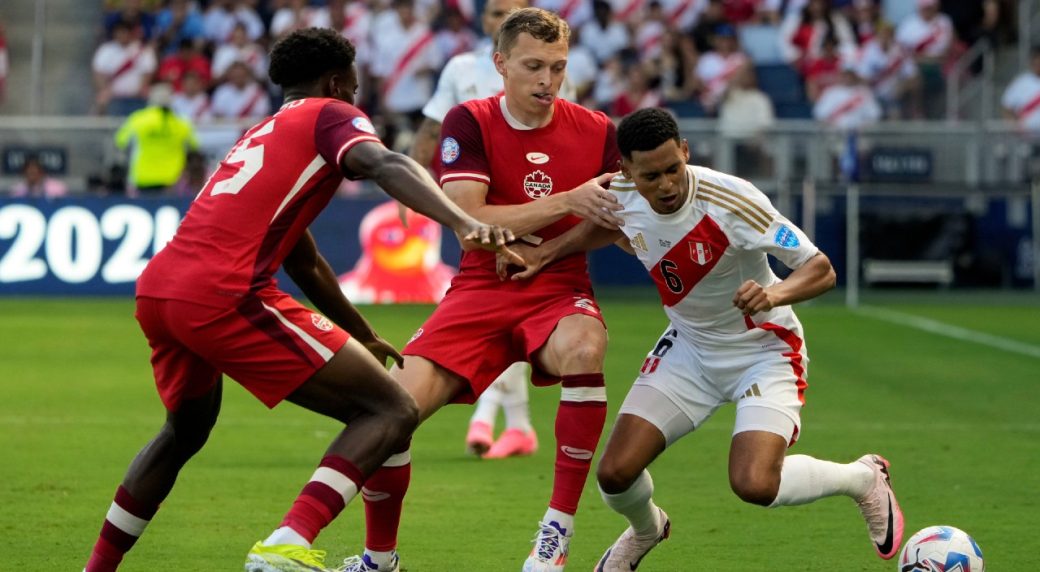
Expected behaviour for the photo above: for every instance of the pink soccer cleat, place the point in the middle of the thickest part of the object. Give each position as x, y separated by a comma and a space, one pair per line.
513, 443
478, 438
880, 509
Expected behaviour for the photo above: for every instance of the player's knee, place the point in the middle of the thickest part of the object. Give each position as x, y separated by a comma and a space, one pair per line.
614, 477
584, 355
401, 420
755, 487
185, 441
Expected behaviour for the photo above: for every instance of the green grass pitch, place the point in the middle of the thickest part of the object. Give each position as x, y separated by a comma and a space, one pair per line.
958, 419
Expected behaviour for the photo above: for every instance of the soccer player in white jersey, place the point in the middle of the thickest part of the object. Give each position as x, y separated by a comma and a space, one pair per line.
704, 236
467, 76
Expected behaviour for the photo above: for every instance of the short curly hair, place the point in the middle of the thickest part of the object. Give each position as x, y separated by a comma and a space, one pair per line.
646, 130
305, 55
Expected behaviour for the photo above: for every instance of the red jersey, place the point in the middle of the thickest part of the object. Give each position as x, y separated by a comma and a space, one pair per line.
257, 204
520, 165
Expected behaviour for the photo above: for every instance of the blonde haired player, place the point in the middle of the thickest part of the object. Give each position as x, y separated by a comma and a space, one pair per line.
703, 237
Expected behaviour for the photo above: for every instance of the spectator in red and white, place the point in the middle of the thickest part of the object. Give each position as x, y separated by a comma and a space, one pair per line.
1021, 99
187, 58
405, 61
628, 12
890, 70
239, 49
848, 104
297, 15
637, 92
353, 19
610, 82
927, 33
682, 15
192, 102
133, 14
453, 35
36, 184
179, 20
123, 68
576, 12
3, 63
241, 96
604, 35
866, 17
824, 71
717, 68
222, 15
582, 70
802, 34
649, 34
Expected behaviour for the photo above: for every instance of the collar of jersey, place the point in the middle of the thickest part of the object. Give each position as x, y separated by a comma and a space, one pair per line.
516, 123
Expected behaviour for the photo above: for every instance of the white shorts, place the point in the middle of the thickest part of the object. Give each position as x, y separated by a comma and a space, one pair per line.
682, 384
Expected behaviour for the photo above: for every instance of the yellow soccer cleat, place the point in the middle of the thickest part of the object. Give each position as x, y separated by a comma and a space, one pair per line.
285, 558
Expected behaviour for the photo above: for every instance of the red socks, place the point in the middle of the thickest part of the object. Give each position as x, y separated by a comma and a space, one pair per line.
384, 494
579, 422
124, 523
333, 484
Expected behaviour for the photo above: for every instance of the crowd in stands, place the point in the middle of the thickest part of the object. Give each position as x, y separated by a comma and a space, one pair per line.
746, 62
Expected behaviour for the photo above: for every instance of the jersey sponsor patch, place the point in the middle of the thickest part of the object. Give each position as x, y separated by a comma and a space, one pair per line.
538, 158
449, 150
363, 124
537, 185
321, 322
785, 237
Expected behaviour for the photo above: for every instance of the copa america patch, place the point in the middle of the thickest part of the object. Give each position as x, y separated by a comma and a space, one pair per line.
786, 238
363, 124
449, 150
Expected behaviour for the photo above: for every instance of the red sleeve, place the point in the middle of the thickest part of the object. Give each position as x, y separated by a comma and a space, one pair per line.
462, 148
611, 154
338, 128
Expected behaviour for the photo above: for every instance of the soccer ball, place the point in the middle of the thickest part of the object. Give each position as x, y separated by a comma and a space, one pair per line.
941, 549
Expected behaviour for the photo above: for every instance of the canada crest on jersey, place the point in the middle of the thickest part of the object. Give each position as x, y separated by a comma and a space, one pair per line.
537, 185
700, 252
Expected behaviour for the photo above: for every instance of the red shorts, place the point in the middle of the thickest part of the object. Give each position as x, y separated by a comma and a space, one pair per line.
269, 343
481, 327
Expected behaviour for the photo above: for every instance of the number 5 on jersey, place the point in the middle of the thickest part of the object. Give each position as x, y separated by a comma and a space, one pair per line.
250, 158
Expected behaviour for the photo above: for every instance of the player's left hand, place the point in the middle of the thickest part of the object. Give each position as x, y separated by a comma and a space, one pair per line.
382, 349
531, 261
752, 298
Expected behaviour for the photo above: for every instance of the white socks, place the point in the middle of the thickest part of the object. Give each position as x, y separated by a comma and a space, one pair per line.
566, 521
286, 535
805, 479
636, 505
509, 392
487, 406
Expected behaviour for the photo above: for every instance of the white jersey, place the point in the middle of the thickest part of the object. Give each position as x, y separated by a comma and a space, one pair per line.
701, 254
576, 12
716, 71
194, 108
232, 102
1022, 98
126, 69
847, 106
926, 38
404, 59
683, 14
885, 69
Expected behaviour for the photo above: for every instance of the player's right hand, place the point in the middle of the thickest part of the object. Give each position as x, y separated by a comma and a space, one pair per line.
592, 203
494, 238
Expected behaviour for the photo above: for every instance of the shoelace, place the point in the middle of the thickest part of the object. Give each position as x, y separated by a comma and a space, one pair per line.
354, 564
547, 541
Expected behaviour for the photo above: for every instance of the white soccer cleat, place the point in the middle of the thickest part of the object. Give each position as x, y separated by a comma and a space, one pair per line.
880, 509
551, 546
364, 564
628, 551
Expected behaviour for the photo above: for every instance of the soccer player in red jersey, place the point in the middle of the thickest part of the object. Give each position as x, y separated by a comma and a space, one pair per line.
209, 305
536, 163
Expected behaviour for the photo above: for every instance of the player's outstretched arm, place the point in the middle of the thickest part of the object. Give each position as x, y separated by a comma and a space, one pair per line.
405, 180
583, 237
309, 270
807, 281
590, 201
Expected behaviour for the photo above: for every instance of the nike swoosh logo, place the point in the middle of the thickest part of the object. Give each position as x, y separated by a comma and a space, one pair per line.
886, 547
575, 453
374, 496
538, 158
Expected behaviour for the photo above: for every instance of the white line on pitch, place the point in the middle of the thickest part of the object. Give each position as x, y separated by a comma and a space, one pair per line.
950, 331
